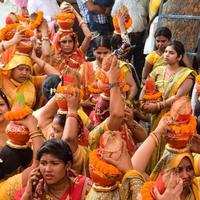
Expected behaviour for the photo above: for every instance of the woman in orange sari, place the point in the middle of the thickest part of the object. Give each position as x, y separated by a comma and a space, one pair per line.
67, 52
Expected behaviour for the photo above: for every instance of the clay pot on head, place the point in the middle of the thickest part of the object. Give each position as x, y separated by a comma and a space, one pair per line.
65, 24
17, 134
25, 46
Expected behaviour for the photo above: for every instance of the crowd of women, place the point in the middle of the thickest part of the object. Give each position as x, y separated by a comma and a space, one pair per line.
75, 129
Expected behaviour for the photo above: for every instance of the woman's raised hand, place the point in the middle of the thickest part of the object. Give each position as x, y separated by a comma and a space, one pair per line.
30, 122
124, 161
113, 73
174, 188
163, 125
73, 101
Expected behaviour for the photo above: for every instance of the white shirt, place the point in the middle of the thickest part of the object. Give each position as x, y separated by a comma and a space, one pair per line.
5, 9
49, 7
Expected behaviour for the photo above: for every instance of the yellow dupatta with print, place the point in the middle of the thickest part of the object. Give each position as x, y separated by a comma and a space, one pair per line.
171, 159
11, 87
168, 89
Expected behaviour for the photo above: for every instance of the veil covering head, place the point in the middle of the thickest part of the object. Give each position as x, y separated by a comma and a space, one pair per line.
18, 59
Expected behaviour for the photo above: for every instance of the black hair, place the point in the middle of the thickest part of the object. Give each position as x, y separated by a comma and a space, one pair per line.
116, 41
49, 84
4, 97
13, 159
178, 46
58, 148
61, 119
180, 50
102, 41
163, 31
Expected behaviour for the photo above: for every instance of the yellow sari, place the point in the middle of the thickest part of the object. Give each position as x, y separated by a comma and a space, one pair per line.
10, 186
167, 88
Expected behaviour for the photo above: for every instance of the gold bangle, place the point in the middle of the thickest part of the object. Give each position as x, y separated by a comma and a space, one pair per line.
81, 22
158, 105
154, 138
36, 131
36, 135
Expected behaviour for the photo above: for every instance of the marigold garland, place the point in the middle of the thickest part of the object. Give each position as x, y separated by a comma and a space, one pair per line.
94, 90
35, 23
68, 89
103, 167
65, 16
22, 18
127, 23
184, 129
17, 115
198, 79
155, 96
4, 31
146, 190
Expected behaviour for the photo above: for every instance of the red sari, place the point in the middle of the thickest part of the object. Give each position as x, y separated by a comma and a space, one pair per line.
78, 190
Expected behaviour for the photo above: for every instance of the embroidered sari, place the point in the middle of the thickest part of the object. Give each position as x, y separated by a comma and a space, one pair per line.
167, 88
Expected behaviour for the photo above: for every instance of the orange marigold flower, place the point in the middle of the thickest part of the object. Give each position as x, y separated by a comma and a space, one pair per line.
17, 115
35, 23
152, 96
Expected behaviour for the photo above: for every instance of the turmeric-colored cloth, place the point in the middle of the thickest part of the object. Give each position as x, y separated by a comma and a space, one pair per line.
11, 87
127, 189
152, 58
10, 186
168, 88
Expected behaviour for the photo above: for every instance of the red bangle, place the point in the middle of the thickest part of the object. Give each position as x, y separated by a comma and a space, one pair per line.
73, 114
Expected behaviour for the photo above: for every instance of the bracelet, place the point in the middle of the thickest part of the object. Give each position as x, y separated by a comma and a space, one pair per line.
36, 135
35, 132
2, 46
81, 23
155, 138
158, 105
115, 84
46, 38
73, 114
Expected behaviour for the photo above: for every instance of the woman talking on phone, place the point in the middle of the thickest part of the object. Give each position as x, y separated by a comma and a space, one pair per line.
54, 179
